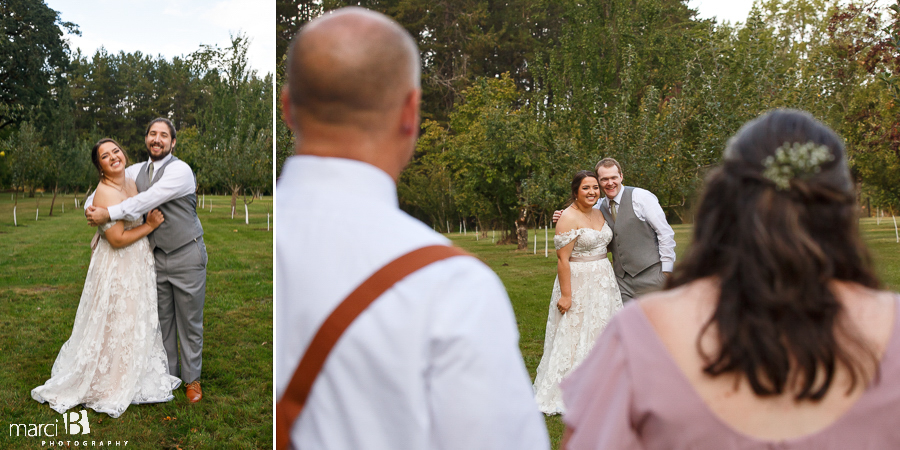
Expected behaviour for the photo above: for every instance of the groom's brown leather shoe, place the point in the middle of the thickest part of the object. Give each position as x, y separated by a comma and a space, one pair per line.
194, 393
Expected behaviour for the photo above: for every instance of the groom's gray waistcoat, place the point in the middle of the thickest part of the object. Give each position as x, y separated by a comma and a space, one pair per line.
182, 224
634, 246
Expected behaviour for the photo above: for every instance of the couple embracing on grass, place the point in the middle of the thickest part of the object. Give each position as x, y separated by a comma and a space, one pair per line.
630, 223
145, 286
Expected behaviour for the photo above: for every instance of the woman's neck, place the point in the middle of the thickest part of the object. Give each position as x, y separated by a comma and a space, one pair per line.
116, 181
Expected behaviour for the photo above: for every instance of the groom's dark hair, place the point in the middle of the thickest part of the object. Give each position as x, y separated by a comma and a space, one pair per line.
163, 120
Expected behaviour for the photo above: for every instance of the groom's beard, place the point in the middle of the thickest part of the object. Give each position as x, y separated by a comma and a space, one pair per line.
160, 156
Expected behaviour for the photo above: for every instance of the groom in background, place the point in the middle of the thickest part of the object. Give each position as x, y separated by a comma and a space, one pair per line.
167, 183
643, 243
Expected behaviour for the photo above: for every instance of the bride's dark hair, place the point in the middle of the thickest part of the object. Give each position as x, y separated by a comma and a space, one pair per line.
774, 250
95, 156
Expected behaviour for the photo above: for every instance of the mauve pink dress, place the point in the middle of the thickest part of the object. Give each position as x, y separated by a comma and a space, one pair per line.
630, 394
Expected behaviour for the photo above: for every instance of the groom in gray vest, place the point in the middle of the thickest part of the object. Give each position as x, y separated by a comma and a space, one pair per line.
643, 244
167, 183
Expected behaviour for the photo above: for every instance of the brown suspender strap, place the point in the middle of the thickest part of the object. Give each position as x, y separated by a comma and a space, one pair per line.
294, 397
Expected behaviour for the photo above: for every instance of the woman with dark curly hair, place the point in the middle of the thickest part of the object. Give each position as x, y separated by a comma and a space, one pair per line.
773, 332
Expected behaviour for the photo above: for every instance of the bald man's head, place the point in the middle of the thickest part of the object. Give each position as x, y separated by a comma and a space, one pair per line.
347, 66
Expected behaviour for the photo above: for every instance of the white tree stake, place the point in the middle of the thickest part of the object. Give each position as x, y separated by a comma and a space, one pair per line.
476, 232
246, 215
267, 221
545, 241
15, 223
535, 241
76, 203
448, 227
895, 227
232, 213
36, 213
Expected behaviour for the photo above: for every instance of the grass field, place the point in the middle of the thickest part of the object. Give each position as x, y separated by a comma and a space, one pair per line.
529, 278
43, 263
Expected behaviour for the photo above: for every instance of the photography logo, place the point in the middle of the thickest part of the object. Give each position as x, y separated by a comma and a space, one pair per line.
68, 432
73, 423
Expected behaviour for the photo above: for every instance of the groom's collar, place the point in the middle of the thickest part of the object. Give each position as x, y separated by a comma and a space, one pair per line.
158, 164
618, 197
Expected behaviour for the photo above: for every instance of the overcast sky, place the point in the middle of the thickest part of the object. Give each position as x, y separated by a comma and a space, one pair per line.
171, 27
724, 10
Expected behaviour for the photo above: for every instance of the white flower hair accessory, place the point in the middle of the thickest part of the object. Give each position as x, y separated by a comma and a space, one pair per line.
795, 161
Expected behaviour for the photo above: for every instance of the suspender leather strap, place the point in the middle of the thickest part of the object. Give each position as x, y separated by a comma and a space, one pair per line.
291, 404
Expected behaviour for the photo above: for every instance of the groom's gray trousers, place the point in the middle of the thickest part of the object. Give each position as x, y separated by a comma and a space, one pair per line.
648, 280
635, 250
181, 291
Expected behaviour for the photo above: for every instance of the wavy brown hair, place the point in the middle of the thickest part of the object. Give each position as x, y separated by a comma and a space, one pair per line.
774, 251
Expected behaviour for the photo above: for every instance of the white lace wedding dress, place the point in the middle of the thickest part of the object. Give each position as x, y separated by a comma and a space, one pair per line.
115, 356
570, 336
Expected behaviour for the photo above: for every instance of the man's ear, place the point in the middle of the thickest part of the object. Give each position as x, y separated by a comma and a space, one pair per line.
409, 117
286, 113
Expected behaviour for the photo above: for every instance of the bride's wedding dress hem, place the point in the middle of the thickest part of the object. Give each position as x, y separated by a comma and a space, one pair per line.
595, 299
115, 356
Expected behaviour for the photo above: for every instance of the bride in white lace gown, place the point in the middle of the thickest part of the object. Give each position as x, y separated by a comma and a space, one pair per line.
585, 294
115, 356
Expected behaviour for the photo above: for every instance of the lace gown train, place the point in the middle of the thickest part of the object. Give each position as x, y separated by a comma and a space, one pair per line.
115, 356
570, 336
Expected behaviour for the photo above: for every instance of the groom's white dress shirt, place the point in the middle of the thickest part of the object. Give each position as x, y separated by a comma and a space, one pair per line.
433, 363
647, 209
176, 182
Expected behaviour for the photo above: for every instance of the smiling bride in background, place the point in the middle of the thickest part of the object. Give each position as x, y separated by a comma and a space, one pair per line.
585, 295
115, 355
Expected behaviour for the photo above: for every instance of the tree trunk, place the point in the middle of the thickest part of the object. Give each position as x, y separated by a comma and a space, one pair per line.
522, 229
53, 202
247, 210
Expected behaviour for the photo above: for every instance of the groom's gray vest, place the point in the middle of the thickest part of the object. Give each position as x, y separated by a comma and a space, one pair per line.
182, 224
634, 245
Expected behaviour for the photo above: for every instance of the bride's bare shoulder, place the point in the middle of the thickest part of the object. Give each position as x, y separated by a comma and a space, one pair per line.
107, 196
130, 187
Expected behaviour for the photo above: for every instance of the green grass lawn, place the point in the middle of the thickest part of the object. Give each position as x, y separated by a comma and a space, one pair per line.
529, 279
43, 263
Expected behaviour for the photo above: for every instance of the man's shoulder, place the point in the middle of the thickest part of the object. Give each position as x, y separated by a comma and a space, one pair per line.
177, 162
642, 193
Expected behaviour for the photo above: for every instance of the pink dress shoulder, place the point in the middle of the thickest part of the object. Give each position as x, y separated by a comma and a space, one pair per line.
630, 394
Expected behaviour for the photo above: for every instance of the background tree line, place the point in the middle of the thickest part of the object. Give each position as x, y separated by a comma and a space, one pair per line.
56, 103
518, 95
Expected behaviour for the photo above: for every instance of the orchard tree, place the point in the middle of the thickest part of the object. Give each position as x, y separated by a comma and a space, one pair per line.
33, 57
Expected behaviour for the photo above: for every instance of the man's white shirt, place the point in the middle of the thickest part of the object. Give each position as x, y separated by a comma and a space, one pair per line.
433, 363
647, 209
176, 182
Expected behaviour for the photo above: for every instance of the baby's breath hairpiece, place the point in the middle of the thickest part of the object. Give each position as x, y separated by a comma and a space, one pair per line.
795, 161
